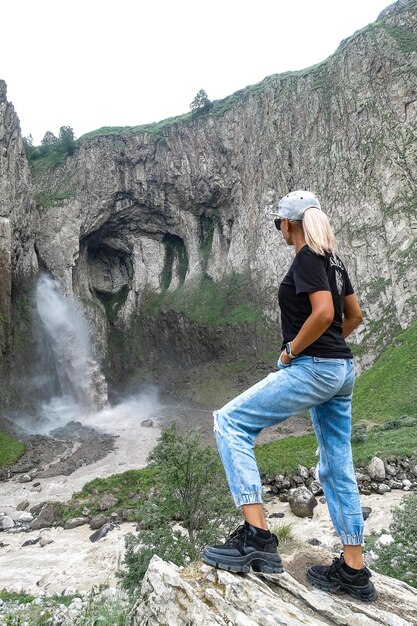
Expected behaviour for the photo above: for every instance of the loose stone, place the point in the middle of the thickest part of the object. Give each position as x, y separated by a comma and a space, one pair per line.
376, 469
302, 502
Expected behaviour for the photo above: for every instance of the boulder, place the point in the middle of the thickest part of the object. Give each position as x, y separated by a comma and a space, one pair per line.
98, 521
24, 478
303, 472
298, 480
75, 522
366, 511
25, 517
376, 469
391, 470
395, 484
148, 423
302, 502
5, 473
48, 516
101, 532
6, 522
107, 502
22, 506
315, 487
383, 488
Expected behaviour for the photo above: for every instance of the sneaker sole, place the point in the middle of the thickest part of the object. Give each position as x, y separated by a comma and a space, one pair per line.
258, 561
366, 594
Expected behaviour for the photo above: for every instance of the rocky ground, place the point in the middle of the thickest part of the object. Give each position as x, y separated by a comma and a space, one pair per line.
46, 561
201, 595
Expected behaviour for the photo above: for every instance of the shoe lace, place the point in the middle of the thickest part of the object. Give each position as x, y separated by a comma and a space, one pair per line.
237, 536
240, 535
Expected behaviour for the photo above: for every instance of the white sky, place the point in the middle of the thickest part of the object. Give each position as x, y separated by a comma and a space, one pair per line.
91, 63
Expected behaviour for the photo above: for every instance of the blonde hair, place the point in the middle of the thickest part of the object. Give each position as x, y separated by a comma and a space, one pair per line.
318, 232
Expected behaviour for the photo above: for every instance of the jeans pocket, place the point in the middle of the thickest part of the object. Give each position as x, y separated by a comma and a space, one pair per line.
281, 365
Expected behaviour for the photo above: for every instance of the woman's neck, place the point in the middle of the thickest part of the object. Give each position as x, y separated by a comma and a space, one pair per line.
299, 241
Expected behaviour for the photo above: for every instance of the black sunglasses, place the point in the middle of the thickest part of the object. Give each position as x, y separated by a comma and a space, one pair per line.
277, 223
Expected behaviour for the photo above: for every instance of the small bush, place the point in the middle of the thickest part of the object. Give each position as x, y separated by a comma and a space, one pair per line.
15, 596
284, 532
405, 421
358, 433
104, 611
192, 492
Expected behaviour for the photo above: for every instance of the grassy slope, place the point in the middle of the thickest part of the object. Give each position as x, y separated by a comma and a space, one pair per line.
10, 449
387, 391
389, 388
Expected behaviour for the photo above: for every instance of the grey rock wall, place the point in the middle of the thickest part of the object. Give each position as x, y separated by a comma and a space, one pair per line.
200, 189
18, 263
154, 208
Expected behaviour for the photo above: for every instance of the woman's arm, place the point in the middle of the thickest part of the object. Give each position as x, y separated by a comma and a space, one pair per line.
352, 315
320, 318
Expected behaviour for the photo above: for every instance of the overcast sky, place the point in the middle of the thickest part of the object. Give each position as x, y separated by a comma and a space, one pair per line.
89, 63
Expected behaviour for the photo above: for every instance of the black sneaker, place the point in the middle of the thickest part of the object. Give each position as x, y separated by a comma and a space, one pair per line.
333, 577
245, 549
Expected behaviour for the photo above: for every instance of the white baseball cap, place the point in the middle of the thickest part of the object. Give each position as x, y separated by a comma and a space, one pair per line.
294, 204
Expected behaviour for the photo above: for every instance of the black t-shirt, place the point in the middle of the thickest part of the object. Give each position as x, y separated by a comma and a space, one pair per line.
311, 272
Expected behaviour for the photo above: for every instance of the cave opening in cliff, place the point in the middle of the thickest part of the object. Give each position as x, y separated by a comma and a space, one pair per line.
176, 261
110, 274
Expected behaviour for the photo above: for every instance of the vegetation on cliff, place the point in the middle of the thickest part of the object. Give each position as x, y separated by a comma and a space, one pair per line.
52, 151
10, 449
225, 302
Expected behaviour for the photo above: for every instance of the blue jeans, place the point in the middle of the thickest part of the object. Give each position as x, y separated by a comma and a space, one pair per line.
325, 387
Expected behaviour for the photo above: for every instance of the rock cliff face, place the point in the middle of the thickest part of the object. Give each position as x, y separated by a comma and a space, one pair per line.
170, 204
169, 208
18, 261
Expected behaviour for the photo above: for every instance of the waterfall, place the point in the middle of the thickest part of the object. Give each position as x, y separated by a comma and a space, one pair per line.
83, 387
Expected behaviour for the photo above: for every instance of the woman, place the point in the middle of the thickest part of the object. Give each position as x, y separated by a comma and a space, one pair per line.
315, 371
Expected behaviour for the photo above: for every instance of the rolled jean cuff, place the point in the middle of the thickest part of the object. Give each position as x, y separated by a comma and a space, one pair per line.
351, 540
254, 497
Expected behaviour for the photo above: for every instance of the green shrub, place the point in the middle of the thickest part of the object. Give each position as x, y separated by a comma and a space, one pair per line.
405, 421
102, 611
192, 491
16, 596
358, 433
284, 532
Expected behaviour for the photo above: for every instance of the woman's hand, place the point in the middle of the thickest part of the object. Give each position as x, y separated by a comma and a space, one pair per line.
285, 359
